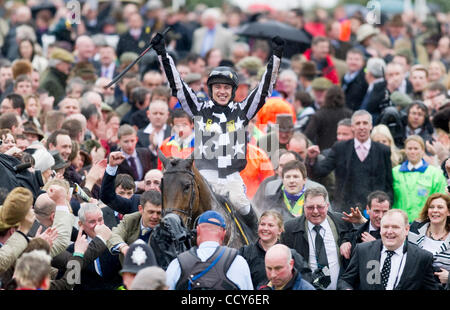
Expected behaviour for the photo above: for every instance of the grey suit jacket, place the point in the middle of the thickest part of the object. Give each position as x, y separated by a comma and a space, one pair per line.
222, 40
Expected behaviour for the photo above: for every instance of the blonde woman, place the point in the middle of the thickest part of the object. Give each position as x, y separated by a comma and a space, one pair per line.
32, 109
270, 227
382, 134
415, 179
437, 72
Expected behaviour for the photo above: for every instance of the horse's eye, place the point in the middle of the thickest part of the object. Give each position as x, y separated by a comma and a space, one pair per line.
186, 187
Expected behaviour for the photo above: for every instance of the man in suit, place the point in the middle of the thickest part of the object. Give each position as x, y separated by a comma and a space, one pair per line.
118, 203
378, 203
390, 263
317, 236
136, 38
137, 225
212, 35
107, 66
380, 96
137, 160
153, 135
360, 165
373, 75
103, 272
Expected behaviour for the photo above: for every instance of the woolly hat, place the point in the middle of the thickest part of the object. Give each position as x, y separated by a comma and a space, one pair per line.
15, 208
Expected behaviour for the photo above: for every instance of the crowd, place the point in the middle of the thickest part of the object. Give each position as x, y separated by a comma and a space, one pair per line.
336, 150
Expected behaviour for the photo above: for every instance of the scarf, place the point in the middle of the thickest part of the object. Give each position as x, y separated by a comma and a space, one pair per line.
297, 200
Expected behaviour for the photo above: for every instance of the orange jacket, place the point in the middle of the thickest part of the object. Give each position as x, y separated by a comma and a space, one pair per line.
171, 148
257, 169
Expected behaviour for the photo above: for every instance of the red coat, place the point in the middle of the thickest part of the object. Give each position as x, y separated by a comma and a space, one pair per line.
329, 71
171, 148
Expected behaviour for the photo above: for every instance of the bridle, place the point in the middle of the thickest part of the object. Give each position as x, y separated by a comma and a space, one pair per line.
188, 213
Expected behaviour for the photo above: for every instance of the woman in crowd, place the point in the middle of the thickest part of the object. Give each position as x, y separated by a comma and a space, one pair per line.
32, 110
27, 50
8, 141
270, 227
431, 232
382, 134
415, 179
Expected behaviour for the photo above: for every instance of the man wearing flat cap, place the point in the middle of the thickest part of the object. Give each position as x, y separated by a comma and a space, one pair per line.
16, 219
230, 272
319, 87
55, 77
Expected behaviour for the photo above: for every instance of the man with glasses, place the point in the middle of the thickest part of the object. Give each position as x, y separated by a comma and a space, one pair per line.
317, 235
220, 135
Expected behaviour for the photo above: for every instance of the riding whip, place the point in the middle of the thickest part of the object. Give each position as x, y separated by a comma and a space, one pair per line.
118, 77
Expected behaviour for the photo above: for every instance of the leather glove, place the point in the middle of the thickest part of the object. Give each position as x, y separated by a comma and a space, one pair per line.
159, 44
278, 46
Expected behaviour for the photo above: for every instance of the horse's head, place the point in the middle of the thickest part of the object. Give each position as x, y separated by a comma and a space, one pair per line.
178, 187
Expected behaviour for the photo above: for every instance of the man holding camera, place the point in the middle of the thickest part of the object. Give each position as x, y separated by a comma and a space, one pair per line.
317, 235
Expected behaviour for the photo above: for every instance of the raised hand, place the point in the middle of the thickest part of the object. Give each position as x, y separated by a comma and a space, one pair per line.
354, 217
58, 194
81, 244
103, 231
159, 44
278, 46
116, 158
49, 235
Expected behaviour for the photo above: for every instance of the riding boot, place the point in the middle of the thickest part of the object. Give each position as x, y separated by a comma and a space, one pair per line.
251, 219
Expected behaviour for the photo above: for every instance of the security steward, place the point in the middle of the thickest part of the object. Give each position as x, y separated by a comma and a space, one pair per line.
210, 266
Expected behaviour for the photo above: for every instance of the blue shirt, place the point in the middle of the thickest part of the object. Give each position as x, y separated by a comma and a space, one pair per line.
238, 273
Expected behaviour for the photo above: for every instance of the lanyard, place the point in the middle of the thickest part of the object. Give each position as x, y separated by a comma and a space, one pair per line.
297, 209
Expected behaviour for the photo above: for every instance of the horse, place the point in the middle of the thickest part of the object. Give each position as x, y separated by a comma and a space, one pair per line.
186, 192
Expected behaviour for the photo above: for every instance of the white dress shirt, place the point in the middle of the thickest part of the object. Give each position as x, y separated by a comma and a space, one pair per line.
397, 265
108, 71
330, 248
159, 135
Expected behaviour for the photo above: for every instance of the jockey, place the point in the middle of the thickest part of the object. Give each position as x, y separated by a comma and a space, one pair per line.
220, 133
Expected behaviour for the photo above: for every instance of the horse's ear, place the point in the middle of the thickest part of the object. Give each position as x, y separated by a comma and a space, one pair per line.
190, 160
163, 159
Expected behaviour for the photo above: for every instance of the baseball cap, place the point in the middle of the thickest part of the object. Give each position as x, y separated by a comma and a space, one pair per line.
212, 217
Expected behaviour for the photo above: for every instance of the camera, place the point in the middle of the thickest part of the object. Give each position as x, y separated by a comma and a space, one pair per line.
16, 174
321, 278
